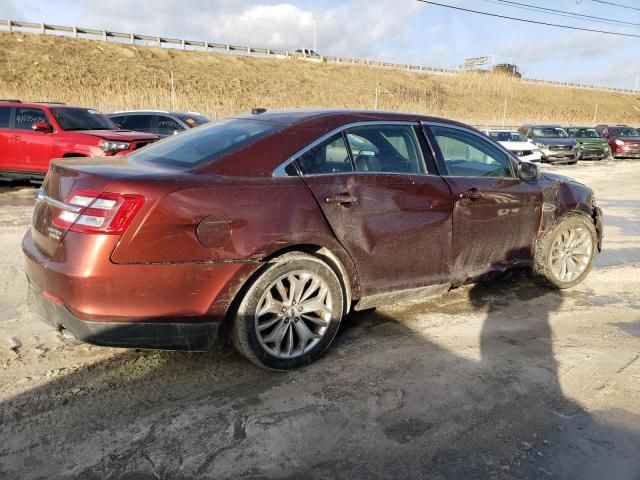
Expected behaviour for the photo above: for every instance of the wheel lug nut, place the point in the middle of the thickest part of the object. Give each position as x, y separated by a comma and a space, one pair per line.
284, 309
300, 309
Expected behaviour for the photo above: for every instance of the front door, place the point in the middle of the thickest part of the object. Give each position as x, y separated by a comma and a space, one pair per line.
34, 148
496, 216
392, 217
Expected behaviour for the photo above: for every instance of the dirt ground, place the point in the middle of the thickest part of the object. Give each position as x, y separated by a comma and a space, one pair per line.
500, 380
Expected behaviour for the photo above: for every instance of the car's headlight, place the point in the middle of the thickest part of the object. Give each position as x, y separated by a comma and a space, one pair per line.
540, 145
576, 146
619, 142
110, 146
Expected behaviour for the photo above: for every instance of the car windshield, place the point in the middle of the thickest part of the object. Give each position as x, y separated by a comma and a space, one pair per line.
507, 137
205, 144
82, 119
583, 133
550, 132
193, 119
624, 132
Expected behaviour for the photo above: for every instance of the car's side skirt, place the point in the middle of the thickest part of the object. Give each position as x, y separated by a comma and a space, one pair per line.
397, 296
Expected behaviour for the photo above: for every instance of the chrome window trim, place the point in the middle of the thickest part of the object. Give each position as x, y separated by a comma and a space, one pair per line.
482, 137
40, 195
279, 171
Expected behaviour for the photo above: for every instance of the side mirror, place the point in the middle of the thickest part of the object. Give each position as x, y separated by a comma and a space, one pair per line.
528, 171
530, 140
176, 132
43, 127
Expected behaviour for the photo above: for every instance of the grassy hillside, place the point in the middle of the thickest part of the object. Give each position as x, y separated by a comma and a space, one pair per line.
111, 76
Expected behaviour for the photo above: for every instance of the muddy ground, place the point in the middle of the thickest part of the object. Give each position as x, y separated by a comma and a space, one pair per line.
500, 380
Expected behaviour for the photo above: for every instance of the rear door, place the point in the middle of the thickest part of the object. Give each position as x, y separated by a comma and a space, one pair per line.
496, 216
390, 213
35, 149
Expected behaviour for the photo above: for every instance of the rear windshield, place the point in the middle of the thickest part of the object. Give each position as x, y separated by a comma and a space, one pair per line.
549, 132
82, 119
205, 144
192, 120
624, 132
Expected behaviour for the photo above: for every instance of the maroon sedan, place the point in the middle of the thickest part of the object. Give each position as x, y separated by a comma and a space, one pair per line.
281, 223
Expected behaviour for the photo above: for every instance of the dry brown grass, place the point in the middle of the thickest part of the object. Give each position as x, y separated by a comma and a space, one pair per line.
111, 76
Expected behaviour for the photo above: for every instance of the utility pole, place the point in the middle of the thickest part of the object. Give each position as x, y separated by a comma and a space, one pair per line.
595, 114
504, 113
637, 82
315, 34
375, 105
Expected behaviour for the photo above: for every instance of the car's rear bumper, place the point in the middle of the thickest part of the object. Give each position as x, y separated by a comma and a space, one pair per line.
166, 335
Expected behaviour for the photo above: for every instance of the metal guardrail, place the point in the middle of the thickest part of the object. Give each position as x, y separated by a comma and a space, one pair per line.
105, 35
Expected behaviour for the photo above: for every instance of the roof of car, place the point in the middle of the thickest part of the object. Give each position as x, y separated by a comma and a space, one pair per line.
125, 112
345, 116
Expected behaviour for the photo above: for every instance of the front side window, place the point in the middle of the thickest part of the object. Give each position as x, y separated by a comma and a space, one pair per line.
193, 119
330, 156
168, 126
385, 149
507, 137
82, 119
26, 117
5, 116
205, 144
468, 155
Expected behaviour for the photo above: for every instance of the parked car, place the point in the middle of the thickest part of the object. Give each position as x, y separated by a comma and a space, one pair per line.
31, 134
159, 122
623, 140
307, 52
592, 147
554, 143
516, 143
281, 223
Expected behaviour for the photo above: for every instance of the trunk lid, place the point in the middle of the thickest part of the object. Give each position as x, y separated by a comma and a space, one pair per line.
66, 177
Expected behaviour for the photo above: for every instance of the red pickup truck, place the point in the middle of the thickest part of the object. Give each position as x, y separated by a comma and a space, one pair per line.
31, 134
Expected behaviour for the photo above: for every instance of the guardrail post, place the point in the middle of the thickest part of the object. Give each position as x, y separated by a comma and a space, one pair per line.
228, 47
248, 50
10, 25
206, 46
104, 35
75, 31
184, 45
132, 37
158, 42
43, 29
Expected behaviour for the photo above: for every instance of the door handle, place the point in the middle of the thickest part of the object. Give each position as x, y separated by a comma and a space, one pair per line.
342, 199
472, 194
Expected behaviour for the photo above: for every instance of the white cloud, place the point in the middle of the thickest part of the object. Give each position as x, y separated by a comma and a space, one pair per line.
576, 46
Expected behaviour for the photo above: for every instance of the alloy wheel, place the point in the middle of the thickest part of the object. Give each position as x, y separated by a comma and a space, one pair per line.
571, 253
293, 314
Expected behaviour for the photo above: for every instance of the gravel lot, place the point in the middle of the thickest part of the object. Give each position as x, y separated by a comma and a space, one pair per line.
500, 380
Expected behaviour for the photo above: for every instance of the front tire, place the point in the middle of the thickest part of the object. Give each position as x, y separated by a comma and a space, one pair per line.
565, 253
290, 314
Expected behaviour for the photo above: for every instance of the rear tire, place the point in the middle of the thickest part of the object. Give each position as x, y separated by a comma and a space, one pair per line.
565, 252
290, 314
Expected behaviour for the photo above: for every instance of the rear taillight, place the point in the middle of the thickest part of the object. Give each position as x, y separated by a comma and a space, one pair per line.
95, 212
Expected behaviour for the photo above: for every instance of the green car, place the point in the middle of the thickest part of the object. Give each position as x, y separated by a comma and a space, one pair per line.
592, 147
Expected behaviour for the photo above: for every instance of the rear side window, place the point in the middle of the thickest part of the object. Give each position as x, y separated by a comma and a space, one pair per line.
5, 117
25, 117
385, 149
139, 123
205, 144
330, 156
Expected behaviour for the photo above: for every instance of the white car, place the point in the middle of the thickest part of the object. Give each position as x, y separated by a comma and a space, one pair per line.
516, 143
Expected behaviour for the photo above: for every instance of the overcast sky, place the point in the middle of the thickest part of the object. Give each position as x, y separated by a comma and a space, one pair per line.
392, 30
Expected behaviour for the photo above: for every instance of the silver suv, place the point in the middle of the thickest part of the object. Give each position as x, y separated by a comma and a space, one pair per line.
554, 143
160, 122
